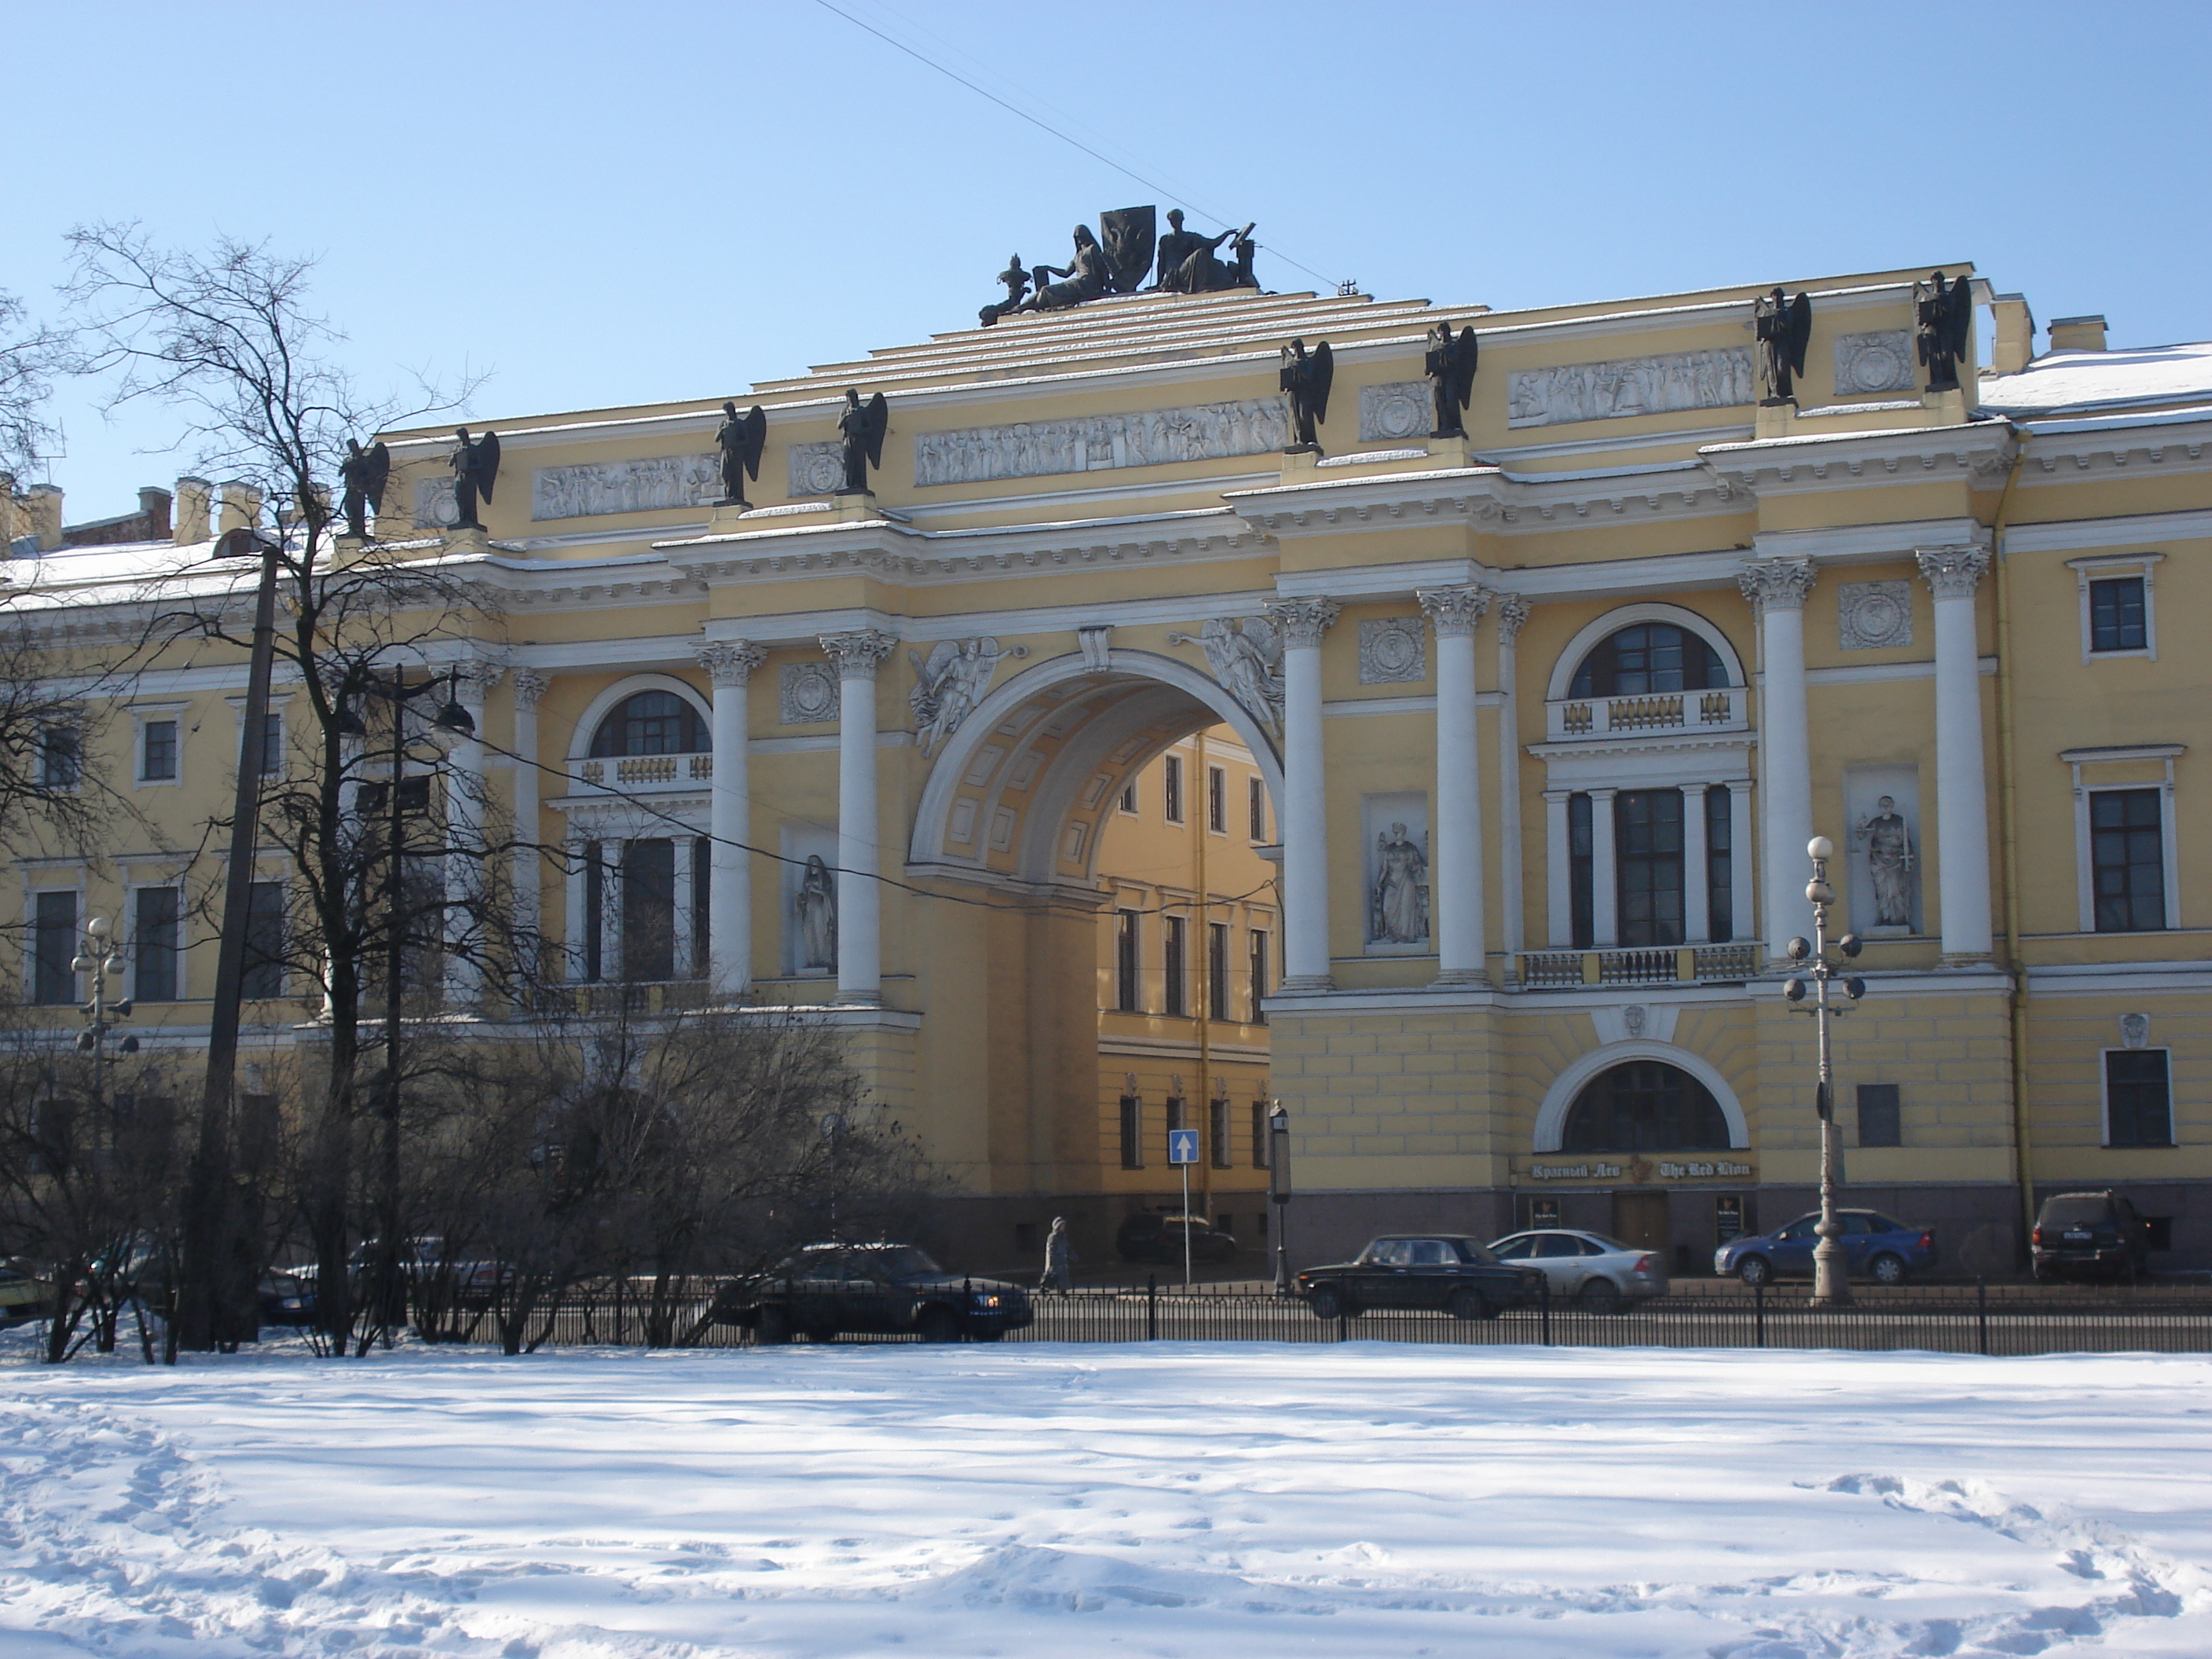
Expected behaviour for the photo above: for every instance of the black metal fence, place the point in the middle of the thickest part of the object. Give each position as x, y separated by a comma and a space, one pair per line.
1983, 1319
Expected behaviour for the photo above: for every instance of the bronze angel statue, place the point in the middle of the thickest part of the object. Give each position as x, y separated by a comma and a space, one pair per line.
1450, 365
475, 468
741, 438
364, 472
1305, 380
862, 427
1944, 313
1782, 327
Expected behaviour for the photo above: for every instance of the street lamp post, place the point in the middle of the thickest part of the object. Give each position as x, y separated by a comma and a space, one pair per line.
1811, 993
1279, 1191
100, 955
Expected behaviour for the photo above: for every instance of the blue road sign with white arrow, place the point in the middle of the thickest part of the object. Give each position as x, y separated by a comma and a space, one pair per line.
1182, 1146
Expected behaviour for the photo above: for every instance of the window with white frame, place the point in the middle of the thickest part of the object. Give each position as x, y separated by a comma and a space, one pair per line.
160, 744
154, 937
2124, 843
1171, 788
2118, 617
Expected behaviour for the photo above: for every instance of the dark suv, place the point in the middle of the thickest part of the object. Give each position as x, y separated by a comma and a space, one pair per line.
2089, 1236
885, 1289
1157, 1235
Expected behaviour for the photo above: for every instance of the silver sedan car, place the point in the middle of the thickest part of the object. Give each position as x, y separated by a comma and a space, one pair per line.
1602, 1273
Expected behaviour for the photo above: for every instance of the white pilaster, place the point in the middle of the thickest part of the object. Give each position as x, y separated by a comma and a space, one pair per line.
575, 853
1777, 589
1558, 872
1455, 844
1305, 798
1605, 870
464, 840
1697, 905
730, 666
613, 856
1742, 920
530, 687
1512, 612
1962, 828
858, 655
683, 952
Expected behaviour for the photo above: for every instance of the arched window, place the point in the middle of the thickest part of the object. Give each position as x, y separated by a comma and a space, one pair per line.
651, 723
1650, 657
1645, 1106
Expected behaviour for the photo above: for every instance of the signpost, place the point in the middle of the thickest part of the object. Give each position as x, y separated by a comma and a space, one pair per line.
1182, 1151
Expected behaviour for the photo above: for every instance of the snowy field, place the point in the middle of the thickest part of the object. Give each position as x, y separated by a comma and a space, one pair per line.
1223, 1501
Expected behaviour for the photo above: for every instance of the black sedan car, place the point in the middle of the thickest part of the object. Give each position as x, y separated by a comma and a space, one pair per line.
825, 1291
1157, 1235
1428, 1271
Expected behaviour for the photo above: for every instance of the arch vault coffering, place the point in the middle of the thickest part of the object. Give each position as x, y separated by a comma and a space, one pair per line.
1567, 1087
1019, 793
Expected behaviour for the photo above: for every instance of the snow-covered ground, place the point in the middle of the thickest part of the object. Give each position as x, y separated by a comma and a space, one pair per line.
1228, 1501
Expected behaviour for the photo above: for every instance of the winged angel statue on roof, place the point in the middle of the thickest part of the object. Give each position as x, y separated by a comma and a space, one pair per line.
1246, 655
948, 686
1782, 327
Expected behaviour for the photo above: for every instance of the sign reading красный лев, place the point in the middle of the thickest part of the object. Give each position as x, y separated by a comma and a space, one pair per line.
1634, 1168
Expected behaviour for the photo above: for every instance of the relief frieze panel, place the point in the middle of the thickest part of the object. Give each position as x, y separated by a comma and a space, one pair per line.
646, 484
1152, 437
1625, 386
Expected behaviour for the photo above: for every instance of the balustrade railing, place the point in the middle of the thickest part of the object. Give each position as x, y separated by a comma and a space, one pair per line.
1721, 708
645, 771
1652, 965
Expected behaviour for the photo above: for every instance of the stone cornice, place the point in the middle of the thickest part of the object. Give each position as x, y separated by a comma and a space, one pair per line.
1979, 450
1490, 497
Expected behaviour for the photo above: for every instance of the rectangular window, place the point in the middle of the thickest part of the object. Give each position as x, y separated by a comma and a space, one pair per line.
1582, 871
703, 907
1217, 970
1255, 805
1129, 798
1880, 1115
414, 797
1171, 788
1259, 976
595, 899
648, 910
1178, 1117
272, 746
1127, 996
1648, 836
2127, 858
1216, 1136
2116, 621
1173, 958
154, 945
1217, 800
1260, 1110
157, 752
1720, 865
2138, 1098
60, 763
265, 939
53, 948
1132, 1132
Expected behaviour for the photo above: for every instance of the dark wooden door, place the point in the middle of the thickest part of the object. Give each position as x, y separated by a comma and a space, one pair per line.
1641, 1219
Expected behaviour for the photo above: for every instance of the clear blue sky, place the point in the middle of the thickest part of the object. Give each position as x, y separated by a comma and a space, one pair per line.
612, 203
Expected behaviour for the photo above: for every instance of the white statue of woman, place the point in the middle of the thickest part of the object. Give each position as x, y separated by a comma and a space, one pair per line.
817, 908
1400, 907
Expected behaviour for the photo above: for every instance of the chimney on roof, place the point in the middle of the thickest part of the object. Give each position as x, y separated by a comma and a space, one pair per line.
2015, 334
242, 507
2077, 334
42, 506
193, 495
154, 509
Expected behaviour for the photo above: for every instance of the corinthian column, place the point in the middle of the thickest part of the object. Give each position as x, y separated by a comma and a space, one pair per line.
1962, 829
1457, 842
1512, 614
860, 901
730, 665
465, 839
1777, 590
1305, 798
530, 688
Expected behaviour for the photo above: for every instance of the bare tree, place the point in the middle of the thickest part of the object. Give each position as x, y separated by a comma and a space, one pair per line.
30, 356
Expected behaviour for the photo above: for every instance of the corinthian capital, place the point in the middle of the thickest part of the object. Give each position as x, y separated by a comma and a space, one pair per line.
530, 688
1512, 613
1453, 612
1303, 621
1952, 572
859, 653
729, 662
1778, 584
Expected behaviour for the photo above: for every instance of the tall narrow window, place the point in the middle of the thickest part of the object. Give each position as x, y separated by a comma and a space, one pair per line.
1127, 996
154, 945
157, 752
1582, 871
2138, 1098
1259, 976
1173, 959
2128, 858
648, 910
1217, 970
1216, 1136
1259, 1134
595, 900
265, 939
1720, 865
1648, 837
1129, 798
703, 907
1178, 1115
1132, 1132
272, 745
1255, 805
1880, 1115
53, 947
2116, 615
1171, 787
60, 763
1217, 800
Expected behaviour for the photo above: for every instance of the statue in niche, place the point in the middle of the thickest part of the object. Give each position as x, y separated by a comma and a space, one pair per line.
815, 910
1017, 282
1305, 381
741, 438
1247, 658
862, 427
1944, 316
1783, 326
1089, 277
949, 685
364, 474
1399, 907
1450, 365
1889, 863
475, 464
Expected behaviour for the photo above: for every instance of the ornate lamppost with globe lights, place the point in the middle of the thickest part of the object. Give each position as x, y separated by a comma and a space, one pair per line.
1813, 992
99, 954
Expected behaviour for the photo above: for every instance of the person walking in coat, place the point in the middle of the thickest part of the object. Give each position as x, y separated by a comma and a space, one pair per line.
1059, 1257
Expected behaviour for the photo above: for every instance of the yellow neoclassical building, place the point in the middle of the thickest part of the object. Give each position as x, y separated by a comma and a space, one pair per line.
1114, 762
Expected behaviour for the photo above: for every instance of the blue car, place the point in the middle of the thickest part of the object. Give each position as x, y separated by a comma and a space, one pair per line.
1875, 1247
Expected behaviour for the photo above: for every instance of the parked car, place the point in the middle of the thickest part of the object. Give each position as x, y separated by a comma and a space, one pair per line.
825, 1290
286, 1298
2089, 1235
1459, 1275
1875, 1247
1157, 1235
23, 1295
1603, 1273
